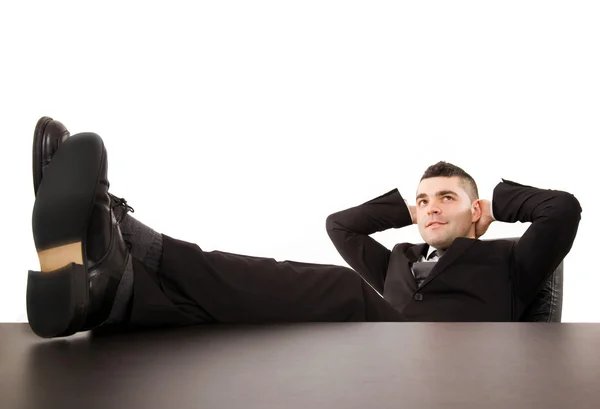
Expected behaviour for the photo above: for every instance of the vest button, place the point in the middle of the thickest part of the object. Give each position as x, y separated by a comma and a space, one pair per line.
418, 296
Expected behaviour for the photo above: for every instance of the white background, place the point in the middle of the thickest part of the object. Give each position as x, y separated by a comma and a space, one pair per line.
242, 125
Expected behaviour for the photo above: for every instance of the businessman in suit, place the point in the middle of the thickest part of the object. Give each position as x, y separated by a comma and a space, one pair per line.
453, 276
102, 268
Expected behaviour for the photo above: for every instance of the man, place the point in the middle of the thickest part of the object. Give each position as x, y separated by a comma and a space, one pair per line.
101, 268
473, 280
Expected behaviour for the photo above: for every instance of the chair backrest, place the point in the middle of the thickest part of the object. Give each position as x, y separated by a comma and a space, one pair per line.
547, 305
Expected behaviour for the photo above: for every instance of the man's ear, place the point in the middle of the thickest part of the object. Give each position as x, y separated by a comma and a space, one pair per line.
476, 210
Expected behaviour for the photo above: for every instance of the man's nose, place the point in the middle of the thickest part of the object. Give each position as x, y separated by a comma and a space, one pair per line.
433, 208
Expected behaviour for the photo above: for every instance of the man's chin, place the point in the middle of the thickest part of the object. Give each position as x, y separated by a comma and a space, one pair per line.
439, 242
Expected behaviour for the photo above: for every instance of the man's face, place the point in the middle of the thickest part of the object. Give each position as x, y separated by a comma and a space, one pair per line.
444, 211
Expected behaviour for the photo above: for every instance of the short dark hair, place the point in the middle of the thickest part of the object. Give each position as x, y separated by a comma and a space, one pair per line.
445, 169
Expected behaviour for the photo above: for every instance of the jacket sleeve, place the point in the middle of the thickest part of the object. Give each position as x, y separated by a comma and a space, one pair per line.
554, 217
350, 231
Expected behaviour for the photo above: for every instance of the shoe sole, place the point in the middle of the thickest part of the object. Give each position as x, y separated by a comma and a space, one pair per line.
57, 301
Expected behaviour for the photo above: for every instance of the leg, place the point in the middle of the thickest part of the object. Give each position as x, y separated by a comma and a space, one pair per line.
221, 287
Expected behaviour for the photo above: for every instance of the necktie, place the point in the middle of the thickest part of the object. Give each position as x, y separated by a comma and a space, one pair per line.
422, 269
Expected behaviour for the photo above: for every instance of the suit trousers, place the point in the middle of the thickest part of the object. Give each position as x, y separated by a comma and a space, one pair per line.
194, 286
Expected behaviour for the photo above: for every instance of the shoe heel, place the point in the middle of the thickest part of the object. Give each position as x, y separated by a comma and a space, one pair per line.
57, 300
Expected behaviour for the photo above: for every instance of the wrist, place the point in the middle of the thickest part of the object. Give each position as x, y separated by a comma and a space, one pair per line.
413, 212
492, 212
485, 206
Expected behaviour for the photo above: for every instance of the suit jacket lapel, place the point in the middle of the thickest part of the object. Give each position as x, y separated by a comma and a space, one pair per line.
456, 249
400, 284
415, 252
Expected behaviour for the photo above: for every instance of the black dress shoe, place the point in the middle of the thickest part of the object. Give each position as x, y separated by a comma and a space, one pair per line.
73, 214
47, 138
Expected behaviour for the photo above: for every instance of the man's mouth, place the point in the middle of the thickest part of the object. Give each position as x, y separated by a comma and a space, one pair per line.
434, 223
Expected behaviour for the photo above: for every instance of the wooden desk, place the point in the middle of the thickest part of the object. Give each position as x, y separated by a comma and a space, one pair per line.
307, 366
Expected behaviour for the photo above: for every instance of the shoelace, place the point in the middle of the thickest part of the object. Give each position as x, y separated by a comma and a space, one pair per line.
119, 201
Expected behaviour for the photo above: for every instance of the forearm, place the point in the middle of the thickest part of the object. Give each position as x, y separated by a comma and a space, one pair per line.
382, 213
513, 202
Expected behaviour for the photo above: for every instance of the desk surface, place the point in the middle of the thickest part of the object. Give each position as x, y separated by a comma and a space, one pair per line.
308, 366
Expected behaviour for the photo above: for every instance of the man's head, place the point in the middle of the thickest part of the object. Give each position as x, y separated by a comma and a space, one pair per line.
447, 205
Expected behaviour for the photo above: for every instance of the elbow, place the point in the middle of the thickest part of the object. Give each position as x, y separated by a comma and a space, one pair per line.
336, 221
571, 205
568, 209
331, 222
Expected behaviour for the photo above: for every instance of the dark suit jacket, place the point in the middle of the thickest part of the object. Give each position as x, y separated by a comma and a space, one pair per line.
475, 280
